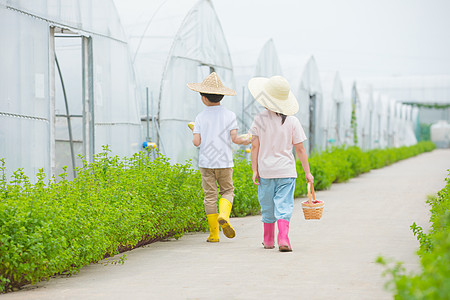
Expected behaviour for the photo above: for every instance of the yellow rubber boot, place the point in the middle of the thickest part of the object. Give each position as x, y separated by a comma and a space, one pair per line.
224, 218
213, 228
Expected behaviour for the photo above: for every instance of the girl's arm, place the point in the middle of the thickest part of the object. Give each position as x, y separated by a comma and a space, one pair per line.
254, 158
301, 153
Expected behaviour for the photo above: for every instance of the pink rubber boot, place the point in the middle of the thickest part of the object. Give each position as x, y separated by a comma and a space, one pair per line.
283, 239
269, 235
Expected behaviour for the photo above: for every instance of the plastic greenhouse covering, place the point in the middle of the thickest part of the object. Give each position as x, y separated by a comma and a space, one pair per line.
174, 43
94, 70
382, 121
425, 89
267, 65
78, 75
364, 117
431, 89
380, 127
310, 98
440, 134
251, 54
335, 117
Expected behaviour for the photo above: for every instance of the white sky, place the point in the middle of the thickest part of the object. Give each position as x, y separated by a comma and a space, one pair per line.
358, 38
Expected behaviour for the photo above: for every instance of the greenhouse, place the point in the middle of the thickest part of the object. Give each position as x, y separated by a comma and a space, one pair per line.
335, 119
267, 65
67, 86
429, 94
364, 116
382, 121
89, 82
174, 43
380, 127
310, 98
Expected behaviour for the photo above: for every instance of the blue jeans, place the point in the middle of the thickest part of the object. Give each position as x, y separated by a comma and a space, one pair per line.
276, 197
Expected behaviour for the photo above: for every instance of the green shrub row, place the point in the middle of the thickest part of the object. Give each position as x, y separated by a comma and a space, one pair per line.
339, 164
246, 193
112, 204
116, 204
433, 282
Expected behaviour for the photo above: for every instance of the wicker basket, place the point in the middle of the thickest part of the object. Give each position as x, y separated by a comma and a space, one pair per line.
312, 209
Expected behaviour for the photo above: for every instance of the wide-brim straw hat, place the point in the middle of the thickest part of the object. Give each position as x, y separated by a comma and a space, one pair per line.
212, 85
274, 93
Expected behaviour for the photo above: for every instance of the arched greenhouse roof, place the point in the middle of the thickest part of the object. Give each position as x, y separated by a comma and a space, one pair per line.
95, 17
310, 96
158, 31
174, 43
336, 109
267, 65
310, 79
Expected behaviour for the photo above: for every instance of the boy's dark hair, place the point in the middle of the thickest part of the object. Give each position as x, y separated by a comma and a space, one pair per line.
283, 118
212, 97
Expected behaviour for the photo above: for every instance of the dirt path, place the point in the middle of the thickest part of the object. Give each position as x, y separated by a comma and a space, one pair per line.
332, 258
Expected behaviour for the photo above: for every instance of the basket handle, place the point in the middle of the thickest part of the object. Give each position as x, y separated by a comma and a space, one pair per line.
310, 188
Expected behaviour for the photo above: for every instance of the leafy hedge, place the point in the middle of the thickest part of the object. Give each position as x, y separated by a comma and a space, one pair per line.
117, 204
246, 193
433, 282
113, 204
339, 164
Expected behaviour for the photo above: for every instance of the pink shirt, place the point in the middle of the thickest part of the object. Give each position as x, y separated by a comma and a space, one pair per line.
275, 157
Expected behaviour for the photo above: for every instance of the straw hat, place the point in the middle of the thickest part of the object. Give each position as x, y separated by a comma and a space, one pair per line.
211, 85
274, 93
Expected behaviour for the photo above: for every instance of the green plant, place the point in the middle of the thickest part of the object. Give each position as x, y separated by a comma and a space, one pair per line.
246, 193
116, 204
338, 164
354, 125
111, 206
433, 281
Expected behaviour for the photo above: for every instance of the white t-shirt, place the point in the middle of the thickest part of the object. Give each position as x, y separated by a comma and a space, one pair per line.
214, 124
275, 157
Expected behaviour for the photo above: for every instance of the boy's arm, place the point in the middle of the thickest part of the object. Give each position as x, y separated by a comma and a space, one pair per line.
301, 153
237, 139
197, 140
254, 158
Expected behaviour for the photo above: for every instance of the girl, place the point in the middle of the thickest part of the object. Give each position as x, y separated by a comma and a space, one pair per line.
275, 131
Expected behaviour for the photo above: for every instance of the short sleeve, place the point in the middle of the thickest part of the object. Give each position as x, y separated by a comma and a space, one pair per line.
233, 122
197, 125
254, 128
298, 134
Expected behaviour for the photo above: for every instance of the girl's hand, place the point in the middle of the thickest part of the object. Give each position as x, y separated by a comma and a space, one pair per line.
256, 178
247, 141
309, 178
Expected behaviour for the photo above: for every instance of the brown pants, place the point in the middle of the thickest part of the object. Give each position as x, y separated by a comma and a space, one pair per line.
210, 179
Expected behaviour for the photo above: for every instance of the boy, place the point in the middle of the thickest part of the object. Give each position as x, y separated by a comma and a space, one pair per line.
214, 130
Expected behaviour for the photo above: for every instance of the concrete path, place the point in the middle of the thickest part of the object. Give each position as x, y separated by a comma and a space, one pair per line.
332, 258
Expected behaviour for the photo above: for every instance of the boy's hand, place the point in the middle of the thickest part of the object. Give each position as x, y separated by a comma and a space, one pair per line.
246, 138
309, 178
256, 178
243, 139
197, 139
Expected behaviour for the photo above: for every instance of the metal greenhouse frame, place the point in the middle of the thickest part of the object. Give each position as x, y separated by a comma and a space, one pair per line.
66, 85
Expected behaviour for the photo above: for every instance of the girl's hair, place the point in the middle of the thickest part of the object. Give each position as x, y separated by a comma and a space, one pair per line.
283, 118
